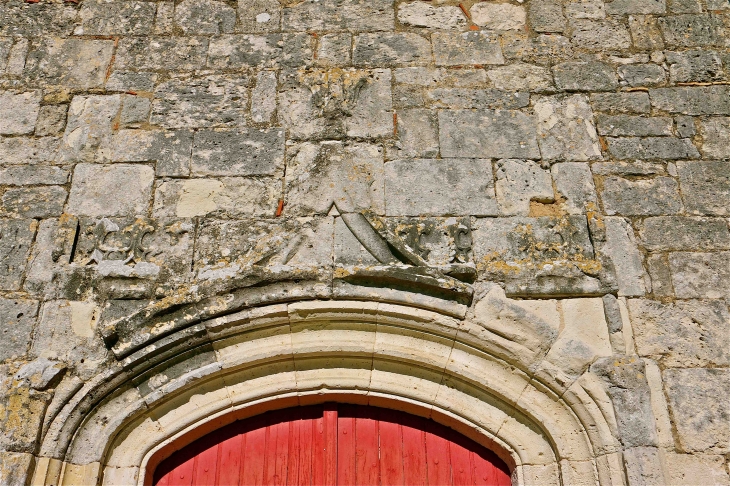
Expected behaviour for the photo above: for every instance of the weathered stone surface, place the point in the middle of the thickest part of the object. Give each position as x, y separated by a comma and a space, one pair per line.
652, 148
161, 53
89, 129
621, 7
682, 334
15, 468
487, 133
692, 100
643, 465
100, 17
420, 14
110, 190
522, 77
634, 126
263, 97
565, 129
468, 48
696, 468
586, 9
23, 19
169, 150
17, 321
642, 74
645, 32
498, 16
477, 98
135, 111
259, 15
353, 15
585, 76
694, 65
599, 34
204, 17
51, 120
391, 49
76, 63
16, 237
41, 373
417, 135
687, 233
635, 102
34, 202
19, 112
432, 77
691, 30
661, 276
131, 81
574, 184
701, 275
442, 187
238, 153
705, 187
239, 51
546, 16
334, 50
716, 137
537, 50
519, 182
31, 175
647, 197
698, 401
622, 249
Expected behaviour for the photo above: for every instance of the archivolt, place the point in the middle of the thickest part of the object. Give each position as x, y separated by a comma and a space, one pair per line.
117, 427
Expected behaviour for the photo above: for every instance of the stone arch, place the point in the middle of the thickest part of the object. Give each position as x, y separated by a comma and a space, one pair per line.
118, 426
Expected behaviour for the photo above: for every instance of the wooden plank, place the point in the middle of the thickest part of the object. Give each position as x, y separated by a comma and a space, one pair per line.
346, 452
391, 449
292, 473
318, 450
182, 475
277, 443
489, 469
414, 450
306, 438
330, 448
461, 465
367, 466
229, 460
437, 457
254, 455
206, 466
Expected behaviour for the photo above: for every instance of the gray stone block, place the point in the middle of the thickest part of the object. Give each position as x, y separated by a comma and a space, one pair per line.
205, 17
263, 97
546, 16
715, 137
51, 120
522, 77
461, 98
259, 16
75, 63
621, 247
170, 150
99, 17
417, 132
498, 16
692, 100
687, 233
694, 65
661, 275
487, 133
238, 153
685, 126
536, 50
30, 175
439, 187
689, 30
90, 128
335, 50
420, 14
21, 150
682, 334
634, 126
391, 49
698, 401
651, 148
700, 275
597, 35
684, 6
19, 112
135, 110
23, 19
565, 129
646, 197
34, 202
17, 320
235, 51
705, 187
352, 15
574, 184
642, 74
645, 32
623, 7
16, 468
517, 183
644, 466
467, 48
633, 102
16, 238
110, 190
131, 81
161, 53
585, 76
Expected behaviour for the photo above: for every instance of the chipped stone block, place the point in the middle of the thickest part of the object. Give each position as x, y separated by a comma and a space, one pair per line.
647, 197
519, 182
51, 120
170, 150
41, 373
101, 17
110, 190
716, 137
334, 50
259, 16
622, 249
700, 275
461, 98
522, 77
586, 9
352, 15
684, 6
546, 16
89, 128
661, 276
417, 135
692, 100
698, 401
236, 196
439, 187
498, 16
633, 102
536, 50
347, 174
634, 126
200, 102
161, 53
19, 112
468, 48
131, 81
76, 63
20, 150
421, 14
574, 184
432, 77
694, 65
16, 468
30, 175
696, 469
705, 187
596, 35
642, 74
34, 202
245, 50
487, 133
651, 148
623, 7
16, 237
205, 17
585, 76
17, 320
164, 18
565, 129
687, 233
682, 334
263, 97
23, 19
689, 30
643, 466
238, 153
390, 49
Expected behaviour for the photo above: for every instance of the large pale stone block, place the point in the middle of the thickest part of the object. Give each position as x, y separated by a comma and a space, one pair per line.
110, 190
518, 183
566, 130
76, 63
420, 14
622, 248
19, 112
17, 321
16, 238
89, 129
238, 153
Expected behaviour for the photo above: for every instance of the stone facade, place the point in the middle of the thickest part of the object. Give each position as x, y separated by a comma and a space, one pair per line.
511, 216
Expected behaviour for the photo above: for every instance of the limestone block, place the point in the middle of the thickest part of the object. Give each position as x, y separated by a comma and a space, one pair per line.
688, 233
596, 35
518, 183
566, 130
259, 15
131, 81
420, 14
36, 20
586, 9
439, 187
169, 150
100, 17
16, 238
476, 98
238, 153
585, 76
34, 202
200, 102
390, 49
634, 126
522, 77
76, 63
632, 102
51, 120
689, 30
692, 100
15, 468
352, 15
651, 148
621, 7
135, 110
110, 190
536, 475
716, 137
498, 16
705, 187
468, 48
698, 402
622, 248
22, 150
231, 195
684, 469
642, 74
197, 17
254, 346
89, 130
647, 197
30, 175
335, 50
81, 474
245, 50
643, 466
120, 475
348, 174
431, 77
700, 275
161, 53
19, 112
546, 16
574, 185
537, 50
21, 414
487, 133
17, 320
417, 132
263, 97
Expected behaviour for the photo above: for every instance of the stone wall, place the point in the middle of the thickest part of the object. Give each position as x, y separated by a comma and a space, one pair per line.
164, 155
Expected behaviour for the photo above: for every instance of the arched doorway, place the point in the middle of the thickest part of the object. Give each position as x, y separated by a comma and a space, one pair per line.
333, 444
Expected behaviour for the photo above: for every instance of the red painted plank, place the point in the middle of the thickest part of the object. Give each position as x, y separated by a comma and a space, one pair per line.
414, 450
346, 454
229, 460
206, 466
486, 469
277, 443
461, 466
437, 458
183, 474
367, 467
391, 449
318, 450
254, 454
292, 474
330, 449
306, 438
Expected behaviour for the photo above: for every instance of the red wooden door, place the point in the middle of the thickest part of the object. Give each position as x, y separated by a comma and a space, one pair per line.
333, 444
